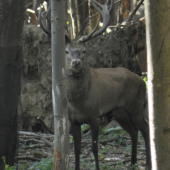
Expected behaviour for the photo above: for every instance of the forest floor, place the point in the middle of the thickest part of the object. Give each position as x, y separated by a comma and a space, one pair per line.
36, 150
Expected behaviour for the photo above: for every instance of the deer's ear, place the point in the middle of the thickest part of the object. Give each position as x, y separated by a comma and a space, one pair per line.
67, 38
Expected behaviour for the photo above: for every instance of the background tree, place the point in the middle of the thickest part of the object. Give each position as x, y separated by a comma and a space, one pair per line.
158, 41
11, 27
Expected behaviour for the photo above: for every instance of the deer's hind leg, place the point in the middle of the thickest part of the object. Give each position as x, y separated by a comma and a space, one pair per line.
123, 119
143, 126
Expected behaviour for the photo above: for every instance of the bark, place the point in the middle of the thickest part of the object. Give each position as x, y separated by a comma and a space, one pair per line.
120, 11
74, 15
61, 139
132, 4
83, 11
114, 14
126, 9
11, 26
78, 11
158, 50
92, 12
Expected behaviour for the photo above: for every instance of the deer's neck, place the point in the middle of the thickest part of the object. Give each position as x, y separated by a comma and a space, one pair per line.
78, 85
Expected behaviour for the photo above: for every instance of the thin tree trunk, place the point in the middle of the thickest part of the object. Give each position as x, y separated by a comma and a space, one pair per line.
115, 13
83, 11
94, 20
11, 26
158, 50
61, 128
126, 9
74, 15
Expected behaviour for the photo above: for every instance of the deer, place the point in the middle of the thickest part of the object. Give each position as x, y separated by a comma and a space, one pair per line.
92, 93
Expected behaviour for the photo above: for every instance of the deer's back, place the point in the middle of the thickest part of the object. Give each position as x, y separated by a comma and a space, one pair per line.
118, 87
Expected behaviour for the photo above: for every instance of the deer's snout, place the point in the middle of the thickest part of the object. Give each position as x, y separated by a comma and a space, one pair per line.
76, 63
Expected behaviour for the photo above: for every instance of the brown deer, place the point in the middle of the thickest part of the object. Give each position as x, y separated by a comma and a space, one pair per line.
96, 92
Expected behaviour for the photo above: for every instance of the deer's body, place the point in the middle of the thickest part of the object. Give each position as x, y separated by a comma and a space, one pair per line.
96, 92
103, 91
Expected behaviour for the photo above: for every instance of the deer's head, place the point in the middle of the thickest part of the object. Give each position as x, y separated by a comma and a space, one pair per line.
76, 51
76, 57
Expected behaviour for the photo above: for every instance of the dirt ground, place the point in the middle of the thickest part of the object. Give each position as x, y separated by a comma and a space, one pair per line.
114, 150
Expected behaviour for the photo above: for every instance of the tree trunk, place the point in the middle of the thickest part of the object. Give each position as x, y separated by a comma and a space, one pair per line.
158, 50
126, 9
83, 11
114, 14
61, 128
74, 15
11, 27
93, 11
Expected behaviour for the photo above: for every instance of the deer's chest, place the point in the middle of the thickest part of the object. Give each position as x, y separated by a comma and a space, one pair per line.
82, 112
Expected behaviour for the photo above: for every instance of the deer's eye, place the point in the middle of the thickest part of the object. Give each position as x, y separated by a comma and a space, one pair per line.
67, 52
84, 51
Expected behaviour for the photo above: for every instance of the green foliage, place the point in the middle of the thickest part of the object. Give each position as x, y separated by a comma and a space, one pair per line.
104, 151
71, 138
127, 149
105, 167
23, 167
117, 131
145, 80
44, 164
84, 127
82, 160
114, 129
134, 167
120, 164
101, 132
7, 167
140, 137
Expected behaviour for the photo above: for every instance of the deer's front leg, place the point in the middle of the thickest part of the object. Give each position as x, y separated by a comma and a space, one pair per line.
76, 132
94, 126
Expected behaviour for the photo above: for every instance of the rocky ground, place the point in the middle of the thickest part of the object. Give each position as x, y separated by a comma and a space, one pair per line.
36, 150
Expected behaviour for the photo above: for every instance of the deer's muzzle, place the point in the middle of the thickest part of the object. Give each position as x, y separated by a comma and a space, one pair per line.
76, 65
